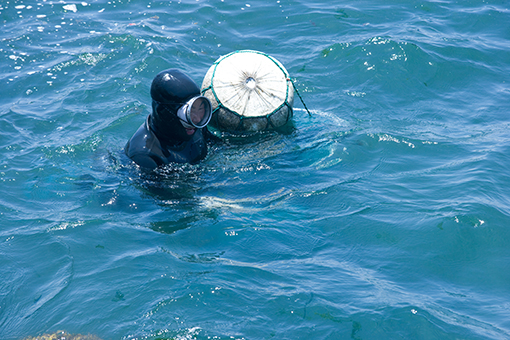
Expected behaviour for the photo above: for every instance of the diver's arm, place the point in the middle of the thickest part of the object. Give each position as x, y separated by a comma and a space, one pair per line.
145, 161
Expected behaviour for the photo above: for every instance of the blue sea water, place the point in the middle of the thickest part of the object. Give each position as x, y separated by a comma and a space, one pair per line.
383, 215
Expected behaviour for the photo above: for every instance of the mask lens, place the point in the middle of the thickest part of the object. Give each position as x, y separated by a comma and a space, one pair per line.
196, 112
200, 112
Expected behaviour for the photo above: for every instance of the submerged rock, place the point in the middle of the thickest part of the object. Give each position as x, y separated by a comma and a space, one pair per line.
62, 335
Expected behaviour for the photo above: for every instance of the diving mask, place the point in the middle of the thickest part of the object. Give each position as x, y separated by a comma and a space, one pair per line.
195, 113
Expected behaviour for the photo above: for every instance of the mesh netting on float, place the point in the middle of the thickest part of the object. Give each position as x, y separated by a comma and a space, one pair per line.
250, 91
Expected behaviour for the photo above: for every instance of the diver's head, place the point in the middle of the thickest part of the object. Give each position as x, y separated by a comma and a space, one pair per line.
177, 107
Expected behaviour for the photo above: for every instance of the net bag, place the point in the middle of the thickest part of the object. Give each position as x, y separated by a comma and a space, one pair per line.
249, 92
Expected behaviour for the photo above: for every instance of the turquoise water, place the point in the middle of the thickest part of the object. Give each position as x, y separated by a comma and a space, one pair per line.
384, 215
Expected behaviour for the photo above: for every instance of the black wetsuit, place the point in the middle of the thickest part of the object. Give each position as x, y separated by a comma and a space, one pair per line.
162, 139
146, 150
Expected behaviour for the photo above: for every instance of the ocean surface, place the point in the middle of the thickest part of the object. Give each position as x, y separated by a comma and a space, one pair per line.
383, 215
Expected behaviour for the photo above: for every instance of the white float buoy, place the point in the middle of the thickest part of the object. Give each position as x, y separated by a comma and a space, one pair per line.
249, 92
